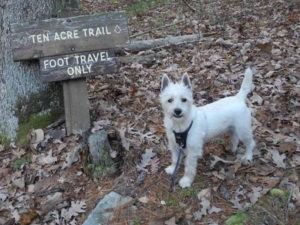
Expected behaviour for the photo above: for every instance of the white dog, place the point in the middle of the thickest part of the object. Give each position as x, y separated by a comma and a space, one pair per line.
192, 126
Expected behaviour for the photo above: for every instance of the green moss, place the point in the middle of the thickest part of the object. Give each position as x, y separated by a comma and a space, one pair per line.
100, 171
106, 166
49, 99
275, 192
5, 141
29, 108
16, 165
35, 121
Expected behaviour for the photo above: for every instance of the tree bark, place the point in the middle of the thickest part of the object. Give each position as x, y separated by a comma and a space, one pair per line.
21, 91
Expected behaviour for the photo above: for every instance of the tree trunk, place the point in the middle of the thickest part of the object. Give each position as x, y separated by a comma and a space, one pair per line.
21, 91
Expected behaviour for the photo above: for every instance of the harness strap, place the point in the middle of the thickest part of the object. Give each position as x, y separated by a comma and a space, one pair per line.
182, 136
173, 177
181, 141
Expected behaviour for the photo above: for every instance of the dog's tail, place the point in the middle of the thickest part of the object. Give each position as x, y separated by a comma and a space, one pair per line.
246, 84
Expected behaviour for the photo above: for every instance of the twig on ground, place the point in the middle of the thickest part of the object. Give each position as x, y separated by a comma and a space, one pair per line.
189, 6
57, 123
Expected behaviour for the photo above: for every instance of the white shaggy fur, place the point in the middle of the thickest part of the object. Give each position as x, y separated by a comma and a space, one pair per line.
229, 114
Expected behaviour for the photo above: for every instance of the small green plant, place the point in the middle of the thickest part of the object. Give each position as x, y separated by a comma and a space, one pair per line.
161, 21
172, 202
220, 141
137, 221
16, 165
173, 28
187, 192
273, 208
136, 22
237, 219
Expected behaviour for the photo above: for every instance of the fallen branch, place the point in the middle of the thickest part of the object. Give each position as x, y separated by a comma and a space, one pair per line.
141, 59
137, 46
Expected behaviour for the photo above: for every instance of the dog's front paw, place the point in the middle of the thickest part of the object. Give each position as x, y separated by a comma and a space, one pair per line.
247, 159
170, 169
185, 182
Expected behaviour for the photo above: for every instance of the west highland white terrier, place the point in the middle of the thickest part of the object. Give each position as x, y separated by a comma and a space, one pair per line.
192, 126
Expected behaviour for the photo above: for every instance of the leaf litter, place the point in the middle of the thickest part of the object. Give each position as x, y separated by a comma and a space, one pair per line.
128, 102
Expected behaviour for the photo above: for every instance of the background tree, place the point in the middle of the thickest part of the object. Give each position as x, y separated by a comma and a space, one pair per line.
21, 92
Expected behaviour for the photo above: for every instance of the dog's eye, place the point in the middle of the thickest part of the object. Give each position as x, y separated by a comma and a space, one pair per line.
170, 100
183, 99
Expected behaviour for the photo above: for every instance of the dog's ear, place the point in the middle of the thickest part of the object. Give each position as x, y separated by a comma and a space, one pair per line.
164, 82
186, 80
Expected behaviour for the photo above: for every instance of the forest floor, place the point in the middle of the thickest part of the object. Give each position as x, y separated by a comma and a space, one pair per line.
46, 183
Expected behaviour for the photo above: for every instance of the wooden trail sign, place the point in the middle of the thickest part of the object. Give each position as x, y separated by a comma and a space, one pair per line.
72, 48
69, 35
67, 67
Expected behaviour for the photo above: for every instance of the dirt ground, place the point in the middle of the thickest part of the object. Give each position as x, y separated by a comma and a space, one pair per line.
48, 183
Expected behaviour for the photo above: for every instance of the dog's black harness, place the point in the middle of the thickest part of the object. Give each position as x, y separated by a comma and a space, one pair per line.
181, 141
182, 136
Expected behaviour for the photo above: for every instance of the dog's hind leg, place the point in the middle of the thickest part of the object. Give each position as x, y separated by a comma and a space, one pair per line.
234, 140
243, 130
246, 137
250, 144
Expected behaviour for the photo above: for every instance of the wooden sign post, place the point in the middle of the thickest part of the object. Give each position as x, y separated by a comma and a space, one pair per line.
70, 49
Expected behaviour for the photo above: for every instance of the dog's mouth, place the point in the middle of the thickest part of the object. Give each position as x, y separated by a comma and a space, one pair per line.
178, 116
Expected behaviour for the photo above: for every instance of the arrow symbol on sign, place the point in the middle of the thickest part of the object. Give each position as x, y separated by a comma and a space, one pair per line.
117, 29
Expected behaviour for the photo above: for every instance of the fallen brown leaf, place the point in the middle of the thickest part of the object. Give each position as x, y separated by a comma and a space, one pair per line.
28, 217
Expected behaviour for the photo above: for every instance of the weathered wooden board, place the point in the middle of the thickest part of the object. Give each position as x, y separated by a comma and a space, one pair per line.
69, 35
76, 106
73, 66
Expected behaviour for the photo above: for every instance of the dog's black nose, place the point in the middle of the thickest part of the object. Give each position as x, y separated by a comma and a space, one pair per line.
177, 111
